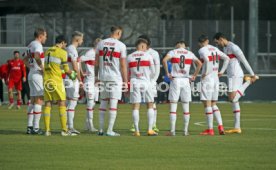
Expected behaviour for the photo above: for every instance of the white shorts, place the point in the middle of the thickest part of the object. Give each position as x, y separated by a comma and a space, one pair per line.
154, 88
141, 89
89, 88
111, 90
180, 88
209, 89
72, 89
234, 83
36, 84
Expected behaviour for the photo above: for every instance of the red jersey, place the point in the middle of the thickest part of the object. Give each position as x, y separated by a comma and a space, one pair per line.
16, 69
4, 72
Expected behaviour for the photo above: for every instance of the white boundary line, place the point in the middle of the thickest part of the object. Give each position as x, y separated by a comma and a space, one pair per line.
266, 129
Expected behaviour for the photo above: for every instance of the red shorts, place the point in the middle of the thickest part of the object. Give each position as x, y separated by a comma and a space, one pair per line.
16, 84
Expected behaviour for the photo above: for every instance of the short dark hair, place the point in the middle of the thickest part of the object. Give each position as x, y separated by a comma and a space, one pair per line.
60, 39
202, 38
180, 42
38, 32
14, 52
145, 37
141, 40
219, 35
115, 28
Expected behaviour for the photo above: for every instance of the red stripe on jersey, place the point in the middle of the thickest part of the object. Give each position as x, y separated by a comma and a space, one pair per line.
142, 63
177, 60
69, 59
41, 55
114, 54
90, 62
210, 58
231, 56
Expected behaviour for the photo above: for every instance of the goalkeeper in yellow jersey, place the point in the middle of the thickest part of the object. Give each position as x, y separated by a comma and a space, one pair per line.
54, 89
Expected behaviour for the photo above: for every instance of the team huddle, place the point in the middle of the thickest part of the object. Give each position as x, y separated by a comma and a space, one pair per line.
56, 76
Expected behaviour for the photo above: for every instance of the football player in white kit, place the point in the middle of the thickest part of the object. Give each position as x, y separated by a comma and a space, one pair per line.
72, 86
235, 75
181, 60
141, 69
111, 60
89, 84
156, 60
210, 57
35, 61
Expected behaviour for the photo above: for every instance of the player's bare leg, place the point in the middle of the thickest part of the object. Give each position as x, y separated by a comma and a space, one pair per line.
173, 117
37, 110
186, 118
19, 98
135, 116
30, 116
218, 117
209, 116
11, 104
151, 132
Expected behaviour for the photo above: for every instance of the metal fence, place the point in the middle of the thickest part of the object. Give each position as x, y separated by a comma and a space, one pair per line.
17, 32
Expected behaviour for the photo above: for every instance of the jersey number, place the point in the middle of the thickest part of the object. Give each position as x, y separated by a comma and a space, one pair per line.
215, 58
105, 49
138, 63
182, 62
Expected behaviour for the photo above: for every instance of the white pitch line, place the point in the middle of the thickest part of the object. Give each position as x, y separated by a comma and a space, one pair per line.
203, 124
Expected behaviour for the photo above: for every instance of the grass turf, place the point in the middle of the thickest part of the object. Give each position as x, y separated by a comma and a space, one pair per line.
255, 148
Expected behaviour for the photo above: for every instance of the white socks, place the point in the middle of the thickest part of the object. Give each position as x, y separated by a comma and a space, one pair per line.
240, 92
155, 114
112, 114
209, 117
217, 114
37, 115
89, 113
135, 116
150, 118
237, 114
71, 113
173, 109
186, 116
101, 116
30, 115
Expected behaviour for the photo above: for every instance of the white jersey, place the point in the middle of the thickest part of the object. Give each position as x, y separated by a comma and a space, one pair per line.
210, 56
72, 55
236, 56
181, 60
156, 60
110, 51
89, 59
141, 65
35, 47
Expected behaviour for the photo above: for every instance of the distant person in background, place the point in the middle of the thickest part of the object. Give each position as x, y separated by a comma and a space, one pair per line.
26, 90
3, 78
16, 74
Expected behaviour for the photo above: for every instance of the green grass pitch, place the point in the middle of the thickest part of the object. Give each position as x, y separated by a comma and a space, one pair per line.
255, 148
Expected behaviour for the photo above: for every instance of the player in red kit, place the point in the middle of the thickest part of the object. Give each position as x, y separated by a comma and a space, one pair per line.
16, 73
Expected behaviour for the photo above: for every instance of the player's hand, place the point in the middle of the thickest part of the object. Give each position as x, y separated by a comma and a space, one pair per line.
203, 76
24, 79
81, 84
254, 78
170, 76
125, 87
192, 78
220, 74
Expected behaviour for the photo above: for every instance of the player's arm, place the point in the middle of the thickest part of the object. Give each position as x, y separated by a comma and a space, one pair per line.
165, 65
239, 54
226, 60
123, 64
197, 69
157, 68
204, 57
23, 69
38, 60
75, 65
152, 68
